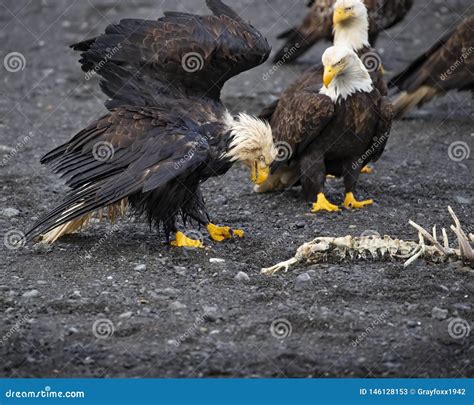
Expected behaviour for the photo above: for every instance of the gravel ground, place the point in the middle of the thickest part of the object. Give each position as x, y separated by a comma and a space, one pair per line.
181, 313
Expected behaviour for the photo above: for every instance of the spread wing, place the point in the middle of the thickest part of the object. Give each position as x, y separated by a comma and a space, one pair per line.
316, 25
447, 65
179, 54
128, 151
299, 117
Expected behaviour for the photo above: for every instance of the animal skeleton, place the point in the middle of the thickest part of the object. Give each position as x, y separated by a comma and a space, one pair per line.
376, 247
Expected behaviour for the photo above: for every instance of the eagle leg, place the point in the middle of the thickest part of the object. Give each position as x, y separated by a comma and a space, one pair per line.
322, 204
219, 233
351, 202
183, 241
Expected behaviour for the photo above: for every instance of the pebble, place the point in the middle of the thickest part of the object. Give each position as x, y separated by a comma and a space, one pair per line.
242, 276
10, 212
140, 267
125, 315
302, 281
31, 294
300, 224
169, 291
216, 260
438, 313
177, 305
462, 200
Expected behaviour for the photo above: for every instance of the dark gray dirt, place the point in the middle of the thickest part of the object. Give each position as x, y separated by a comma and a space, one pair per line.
184, 316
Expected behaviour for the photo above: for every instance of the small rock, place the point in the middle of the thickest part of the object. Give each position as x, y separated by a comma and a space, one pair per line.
300, 224
126, 315
242, 276
412, 324
140, 267
10, 212
169, 291
72, 329
302, 281
438, 313
462, 200
216, 260
177, 305
31, 294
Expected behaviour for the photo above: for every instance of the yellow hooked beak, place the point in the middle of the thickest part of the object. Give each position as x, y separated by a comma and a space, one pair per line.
341, 14
329, 74
259, 174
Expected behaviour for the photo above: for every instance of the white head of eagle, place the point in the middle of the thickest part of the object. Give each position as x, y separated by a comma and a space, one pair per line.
344, 74
252, 144
351, 24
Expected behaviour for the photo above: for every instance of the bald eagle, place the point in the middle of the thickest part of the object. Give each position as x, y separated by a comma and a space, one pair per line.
317, 24
351, 29
447, 65
334, 129
167, 130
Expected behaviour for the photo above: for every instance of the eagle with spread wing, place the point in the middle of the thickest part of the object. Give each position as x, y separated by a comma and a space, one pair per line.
335, 129
167, 130
317, 24
447, 65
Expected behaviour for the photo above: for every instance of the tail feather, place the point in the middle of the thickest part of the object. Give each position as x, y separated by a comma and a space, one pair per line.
111, 212
408, 101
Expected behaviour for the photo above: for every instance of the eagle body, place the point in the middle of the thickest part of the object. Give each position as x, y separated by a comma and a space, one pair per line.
447, 65
317, 25
326, 149
167, 131
333, 128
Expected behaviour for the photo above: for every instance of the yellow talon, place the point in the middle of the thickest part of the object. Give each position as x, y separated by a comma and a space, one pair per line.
183, 241
351, 202
367, 170
219, 233
322, 204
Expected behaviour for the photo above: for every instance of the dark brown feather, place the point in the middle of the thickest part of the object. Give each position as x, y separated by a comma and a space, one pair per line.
447, 65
